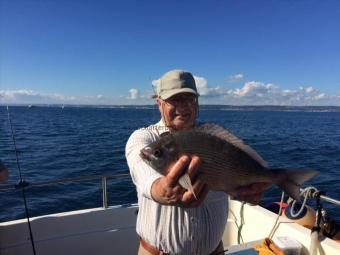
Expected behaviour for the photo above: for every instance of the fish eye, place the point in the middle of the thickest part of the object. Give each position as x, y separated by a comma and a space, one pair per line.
158, 153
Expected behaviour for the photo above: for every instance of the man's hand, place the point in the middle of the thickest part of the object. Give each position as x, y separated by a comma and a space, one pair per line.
251, 193
166, 190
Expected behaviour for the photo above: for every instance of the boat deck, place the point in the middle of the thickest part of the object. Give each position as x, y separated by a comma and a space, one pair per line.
111, 230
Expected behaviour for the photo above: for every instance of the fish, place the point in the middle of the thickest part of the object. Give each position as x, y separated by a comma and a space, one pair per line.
227, 162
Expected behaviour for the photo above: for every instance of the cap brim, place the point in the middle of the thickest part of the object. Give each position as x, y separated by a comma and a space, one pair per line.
168, 94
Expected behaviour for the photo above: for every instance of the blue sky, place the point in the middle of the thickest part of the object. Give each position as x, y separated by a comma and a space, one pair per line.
111, 52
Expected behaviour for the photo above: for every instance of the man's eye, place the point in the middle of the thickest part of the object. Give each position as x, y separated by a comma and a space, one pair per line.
157, 153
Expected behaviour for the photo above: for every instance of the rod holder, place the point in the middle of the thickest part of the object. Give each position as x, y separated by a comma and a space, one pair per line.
104, 190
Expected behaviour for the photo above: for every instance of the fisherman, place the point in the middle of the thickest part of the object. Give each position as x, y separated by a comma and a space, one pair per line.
3, 172
171, 220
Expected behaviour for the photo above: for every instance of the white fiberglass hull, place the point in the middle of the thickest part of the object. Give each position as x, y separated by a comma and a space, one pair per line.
112, 231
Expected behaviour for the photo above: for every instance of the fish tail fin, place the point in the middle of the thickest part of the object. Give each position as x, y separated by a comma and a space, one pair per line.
185, 182
290, 180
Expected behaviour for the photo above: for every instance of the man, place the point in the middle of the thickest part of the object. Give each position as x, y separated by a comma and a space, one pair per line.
3, 172
170, 219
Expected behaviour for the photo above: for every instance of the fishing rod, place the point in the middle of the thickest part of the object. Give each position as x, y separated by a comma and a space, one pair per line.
22, 184
314, 192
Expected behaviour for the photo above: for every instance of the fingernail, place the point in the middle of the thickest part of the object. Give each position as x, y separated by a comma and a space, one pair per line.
185, 158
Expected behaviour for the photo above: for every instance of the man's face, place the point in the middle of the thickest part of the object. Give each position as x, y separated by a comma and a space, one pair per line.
179, 111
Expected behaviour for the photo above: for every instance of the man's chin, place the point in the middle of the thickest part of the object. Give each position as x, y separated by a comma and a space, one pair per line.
183, 125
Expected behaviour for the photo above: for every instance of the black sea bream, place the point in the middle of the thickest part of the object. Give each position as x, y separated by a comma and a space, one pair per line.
227, 162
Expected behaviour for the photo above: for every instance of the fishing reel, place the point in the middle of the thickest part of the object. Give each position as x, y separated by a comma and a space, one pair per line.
315, 219
330, 228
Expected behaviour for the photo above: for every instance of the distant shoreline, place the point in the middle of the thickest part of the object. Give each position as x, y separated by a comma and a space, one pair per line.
285, 108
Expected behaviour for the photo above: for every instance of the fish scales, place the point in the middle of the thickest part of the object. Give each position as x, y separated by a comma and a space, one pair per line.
216, 152
189, 146
221, 160
226, 161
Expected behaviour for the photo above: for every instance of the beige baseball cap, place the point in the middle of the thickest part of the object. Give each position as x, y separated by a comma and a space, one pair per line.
175, 82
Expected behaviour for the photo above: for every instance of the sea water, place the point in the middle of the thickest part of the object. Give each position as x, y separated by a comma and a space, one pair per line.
71, 142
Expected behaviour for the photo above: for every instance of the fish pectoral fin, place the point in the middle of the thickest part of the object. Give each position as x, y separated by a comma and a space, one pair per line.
185, 182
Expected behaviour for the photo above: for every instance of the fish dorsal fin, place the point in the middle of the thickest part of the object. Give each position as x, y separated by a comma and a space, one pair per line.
224, 134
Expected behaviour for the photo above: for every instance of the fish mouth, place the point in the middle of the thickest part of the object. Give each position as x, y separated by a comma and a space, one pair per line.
145, 154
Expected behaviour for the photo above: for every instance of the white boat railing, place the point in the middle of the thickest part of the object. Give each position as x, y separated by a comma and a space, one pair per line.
103, 178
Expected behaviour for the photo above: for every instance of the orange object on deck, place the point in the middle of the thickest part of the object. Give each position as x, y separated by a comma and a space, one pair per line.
268, 248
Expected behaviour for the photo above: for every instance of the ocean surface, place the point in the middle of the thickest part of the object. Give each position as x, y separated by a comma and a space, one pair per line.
58, 143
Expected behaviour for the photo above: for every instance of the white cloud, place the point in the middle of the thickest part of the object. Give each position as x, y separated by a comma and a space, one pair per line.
155, 84
31, 97
205, 91
254, 89
202, 86
250, 93
320, 96
259, 93
97, 97
236, 78
310, 90
133, 94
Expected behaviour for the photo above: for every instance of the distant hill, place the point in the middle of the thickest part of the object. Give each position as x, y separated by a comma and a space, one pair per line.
206, 107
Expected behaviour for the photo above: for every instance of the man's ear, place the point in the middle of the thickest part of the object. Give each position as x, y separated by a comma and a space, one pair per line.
159, 103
